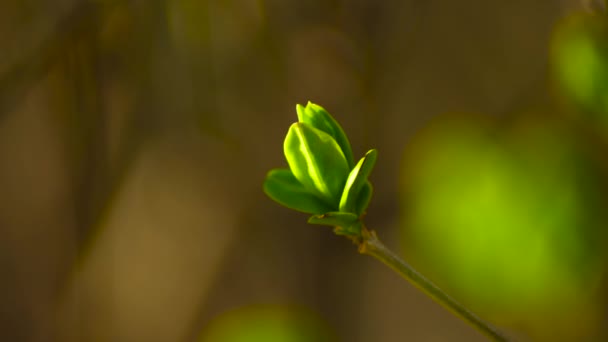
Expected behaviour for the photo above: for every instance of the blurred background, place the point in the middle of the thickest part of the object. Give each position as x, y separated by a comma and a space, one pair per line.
135, 136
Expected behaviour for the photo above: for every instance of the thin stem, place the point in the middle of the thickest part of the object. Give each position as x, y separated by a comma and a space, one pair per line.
371, 245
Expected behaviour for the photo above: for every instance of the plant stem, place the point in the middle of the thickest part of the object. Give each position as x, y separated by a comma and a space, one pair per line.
372, 246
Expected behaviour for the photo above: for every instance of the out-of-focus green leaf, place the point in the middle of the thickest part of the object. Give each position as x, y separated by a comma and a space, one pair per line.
512, 222
580, 61
267, 324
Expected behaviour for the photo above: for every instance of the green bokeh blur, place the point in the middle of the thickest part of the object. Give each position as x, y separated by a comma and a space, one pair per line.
580, 63
267, 324
509, 218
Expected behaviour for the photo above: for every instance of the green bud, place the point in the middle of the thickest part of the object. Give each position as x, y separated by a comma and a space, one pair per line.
283, 187
357, 180
322, 178
317, 117
316, 161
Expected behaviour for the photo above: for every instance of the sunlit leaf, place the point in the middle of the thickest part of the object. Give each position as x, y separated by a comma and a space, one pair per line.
319, 118
283, 187
316, 161
356, 181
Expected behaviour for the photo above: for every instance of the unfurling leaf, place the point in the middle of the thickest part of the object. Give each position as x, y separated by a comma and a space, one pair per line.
317, 117
364, 197
283, 187
357, 179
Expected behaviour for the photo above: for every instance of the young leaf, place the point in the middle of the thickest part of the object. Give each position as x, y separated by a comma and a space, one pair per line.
343, 223
356, 181
316, 161
283, 187
363, 199
317, 117
336, 218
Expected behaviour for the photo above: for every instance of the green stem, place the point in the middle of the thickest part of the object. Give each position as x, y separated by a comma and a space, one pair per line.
371, 245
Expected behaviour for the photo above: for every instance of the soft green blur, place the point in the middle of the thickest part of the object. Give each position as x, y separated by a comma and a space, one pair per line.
508, 219
267, 324
580, 62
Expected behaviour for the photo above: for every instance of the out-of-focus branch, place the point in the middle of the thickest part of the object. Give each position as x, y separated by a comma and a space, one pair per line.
35, 64
595, 6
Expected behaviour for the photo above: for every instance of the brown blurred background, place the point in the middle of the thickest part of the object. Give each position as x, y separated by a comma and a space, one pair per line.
135, 136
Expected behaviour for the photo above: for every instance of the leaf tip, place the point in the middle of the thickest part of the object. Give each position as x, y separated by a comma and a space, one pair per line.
301, 111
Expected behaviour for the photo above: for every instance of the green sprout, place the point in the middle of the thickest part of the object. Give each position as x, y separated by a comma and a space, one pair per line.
323, 180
